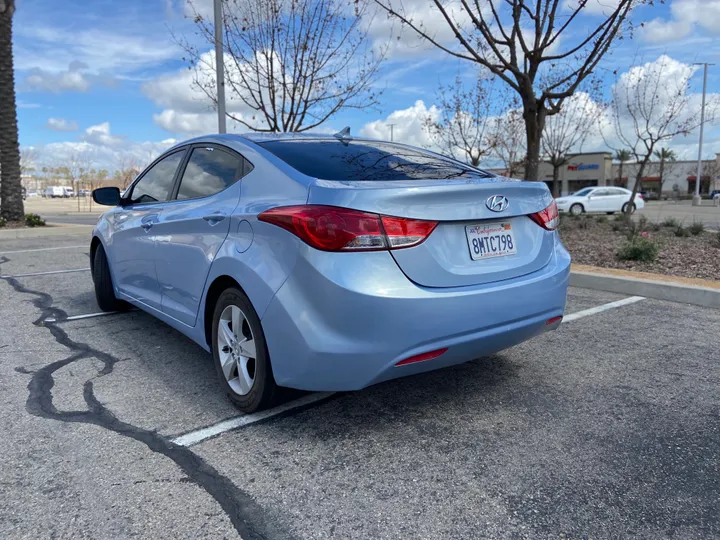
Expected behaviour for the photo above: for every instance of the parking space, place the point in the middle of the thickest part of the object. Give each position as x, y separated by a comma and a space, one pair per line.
605, 428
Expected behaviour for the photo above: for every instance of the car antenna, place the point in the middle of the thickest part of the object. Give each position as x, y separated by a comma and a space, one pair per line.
344, 135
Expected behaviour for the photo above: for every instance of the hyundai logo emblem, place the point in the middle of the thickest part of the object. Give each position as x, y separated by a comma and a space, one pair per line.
497, 203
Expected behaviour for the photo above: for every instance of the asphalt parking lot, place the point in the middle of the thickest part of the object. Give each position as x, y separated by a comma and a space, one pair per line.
113, 428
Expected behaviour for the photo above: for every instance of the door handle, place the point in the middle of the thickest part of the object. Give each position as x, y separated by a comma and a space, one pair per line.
215, 217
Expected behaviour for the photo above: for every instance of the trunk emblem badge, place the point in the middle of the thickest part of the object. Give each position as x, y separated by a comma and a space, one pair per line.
497, 203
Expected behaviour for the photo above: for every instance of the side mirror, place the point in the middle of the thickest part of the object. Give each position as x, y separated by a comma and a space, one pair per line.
108, 196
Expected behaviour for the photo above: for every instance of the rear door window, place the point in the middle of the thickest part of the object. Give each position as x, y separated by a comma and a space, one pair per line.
209, 171
367, 160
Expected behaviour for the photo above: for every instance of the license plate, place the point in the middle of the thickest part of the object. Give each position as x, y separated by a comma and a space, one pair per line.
489, 240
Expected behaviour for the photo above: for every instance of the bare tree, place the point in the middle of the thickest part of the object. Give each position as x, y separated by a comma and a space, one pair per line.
11, 201
567, 131
507, 141
649, 107
465, 122
539, 48
290, 64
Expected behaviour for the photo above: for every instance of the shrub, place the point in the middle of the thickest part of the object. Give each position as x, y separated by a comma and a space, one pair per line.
642, 223
2, 222
696, 228
638, 249
33, 220
681, 232
583, 223
601, 219
670, 222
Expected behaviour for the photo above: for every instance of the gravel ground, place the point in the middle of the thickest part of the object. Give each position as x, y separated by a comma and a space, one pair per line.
593, 241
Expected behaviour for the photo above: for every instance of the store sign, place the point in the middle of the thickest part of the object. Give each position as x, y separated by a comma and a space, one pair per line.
583, 167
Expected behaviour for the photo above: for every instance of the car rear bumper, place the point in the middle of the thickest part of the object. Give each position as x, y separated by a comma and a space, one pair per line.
342, 321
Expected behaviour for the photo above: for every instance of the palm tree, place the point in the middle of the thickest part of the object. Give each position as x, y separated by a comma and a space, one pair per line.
622, 156
663, 155
11, 203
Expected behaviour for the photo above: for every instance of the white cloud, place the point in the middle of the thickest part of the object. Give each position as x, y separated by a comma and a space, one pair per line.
100, 135
187, 109
71, 79
25, 105
408, 125
60, 124
686, 15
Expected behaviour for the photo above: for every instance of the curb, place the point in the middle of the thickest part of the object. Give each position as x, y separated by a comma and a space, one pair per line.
38, 232
659, 290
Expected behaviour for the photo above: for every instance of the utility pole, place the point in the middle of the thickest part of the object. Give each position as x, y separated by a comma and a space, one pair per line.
697, 200
391, 131
219, 67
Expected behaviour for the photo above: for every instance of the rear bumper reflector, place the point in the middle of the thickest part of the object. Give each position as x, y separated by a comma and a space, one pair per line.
422, 357
554, 320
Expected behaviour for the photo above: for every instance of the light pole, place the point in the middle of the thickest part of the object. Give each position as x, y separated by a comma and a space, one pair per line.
697, 200
219, 67
391, 131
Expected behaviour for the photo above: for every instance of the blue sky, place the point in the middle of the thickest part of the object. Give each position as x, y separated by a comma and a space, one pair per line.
115, 66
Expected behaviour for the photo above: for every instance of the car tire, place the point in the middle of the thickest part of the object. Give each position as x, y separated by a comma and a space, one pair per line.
104, 290
610, 213
576, 209
246, 378
632, 210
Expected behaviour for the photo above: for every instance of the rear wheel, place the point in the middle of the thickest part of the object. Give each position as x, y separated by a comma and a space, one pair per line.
240, 353
609, 213
104, 290
625, 208
576, 209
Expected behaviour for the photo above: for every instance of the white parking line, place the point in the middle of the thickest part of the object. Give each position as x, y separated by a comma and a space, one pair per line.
203, 434
600, 309
78, 317
48, 273
42, 249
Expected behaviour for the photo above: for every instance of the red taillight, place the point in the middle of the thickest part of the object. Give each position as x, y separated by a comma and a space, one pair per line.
330, 228
639, 195
422, 357
548, 219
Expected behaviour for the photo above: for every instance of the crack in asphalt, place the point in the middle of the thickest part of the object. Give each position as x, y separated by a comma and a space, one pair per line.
244, 513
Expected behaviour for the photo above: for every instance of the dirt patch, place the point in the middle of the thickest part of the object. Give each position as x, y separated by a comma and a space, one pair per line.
592, 241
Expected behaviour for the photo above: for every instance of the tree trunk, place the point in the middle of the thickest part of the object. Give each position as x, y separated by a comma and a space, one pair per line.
556, 181
638, 177
534, 124
620, 176
660, 182
11, 205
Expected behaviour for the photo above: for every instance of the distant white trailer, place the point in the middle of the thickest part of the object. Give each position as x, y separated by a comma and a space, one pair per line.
59, 191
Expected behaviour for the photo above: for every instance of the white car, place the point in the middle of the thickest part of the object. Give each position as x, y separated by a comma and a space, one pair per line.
599, 199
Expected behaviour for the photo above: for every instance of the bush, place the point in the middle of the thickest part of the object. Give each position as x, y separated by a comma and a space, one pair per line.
601, 219
33, 220
584, 223
642, 223
638, 249
681, 232
670, 223
2, 222
696, 228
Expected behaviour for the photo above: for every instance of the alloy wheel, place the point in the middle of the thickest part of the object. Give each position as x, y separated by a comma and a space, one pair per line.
236, 348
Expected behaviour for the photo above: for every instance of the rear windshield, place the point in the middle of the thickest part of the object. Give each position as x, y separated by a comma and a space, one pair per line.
367, 160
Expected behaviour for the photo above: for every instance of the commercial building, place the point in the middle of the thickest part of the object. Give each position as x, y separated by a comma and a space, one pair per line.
598, 169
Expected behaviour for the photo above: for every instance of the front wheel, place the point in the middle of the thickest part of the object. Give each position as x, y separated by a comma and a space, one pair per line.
632, 209
576, 209
240, 353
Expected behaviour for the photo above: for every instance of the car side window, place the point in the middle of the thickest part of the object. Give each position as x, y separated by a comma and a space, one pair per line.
600, 193
156, 183
209, 171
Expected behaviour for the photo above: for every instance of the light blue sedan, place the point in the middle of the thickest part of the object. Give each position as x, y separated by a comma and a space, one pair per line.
330, 262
